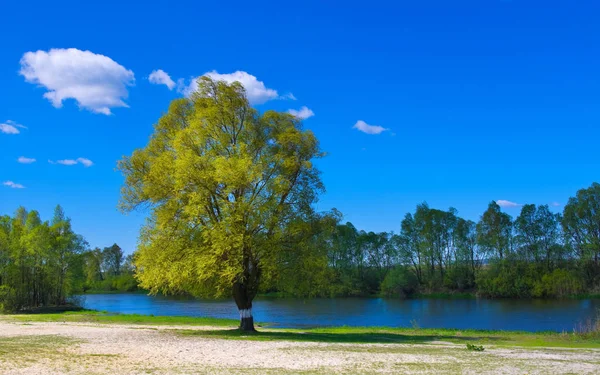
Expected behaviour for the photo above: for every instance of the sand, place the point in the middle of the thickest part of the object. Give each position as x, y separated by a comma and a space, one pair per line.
82, 348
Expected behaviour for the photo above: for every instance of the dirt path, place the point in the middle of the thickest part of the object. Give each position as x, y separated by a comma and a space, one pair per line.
78, 348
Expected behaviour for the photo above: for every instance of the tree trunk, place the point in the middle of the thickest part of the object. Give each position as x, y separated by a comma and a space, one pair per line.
243, 300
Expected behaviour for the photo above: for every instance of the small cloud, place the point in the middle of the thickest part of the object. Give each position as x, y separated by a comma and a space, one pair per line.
288, 96
13, 185
555, 204
11, 127
160, 77
24, 160
96, 82
85, 162
303, 113
67, 162
256, 91
368, 129
507, 204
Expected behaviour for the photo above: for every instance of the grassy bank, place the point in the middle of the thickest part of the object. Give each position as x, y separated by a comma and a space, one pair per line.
328, 335
88, 316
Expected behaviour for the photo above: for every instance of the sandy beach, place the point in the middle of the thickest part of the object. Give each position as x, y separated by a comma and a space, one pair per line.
91, 348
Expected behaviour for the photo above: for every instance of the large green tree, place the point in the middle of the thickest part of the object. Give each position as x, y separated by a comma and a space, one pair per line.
231, 195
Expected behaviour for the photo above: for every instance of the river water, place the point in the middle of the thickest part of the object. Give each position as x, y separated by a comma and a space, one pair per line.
526, 315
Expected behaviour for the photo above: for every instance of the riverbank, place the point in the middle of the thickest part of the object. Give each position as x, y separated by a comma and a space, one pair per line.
92, 342
420, 295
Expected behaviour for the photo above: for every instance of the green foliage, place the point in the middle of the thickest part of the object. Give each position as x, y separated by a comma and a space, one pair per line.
38, 260
231, 193
494, 232
475, 348
539, 254
107, 270
8, 299
559, 284
506, 279
580, 223
400, 282
125, 283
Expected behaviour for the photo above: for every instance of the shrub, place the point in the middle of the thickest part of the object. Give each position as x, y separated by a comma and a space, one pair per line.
560, 283
125, 283
475, 348
507, 279
399, 282
8, 299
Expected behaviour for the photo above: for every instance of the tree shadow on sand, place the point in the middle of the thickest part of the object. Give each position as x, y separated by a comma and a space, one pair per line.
342, 337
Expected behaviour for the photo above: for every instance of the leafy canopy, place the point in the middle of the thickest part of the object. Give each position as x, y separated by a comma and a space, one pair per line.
230, 192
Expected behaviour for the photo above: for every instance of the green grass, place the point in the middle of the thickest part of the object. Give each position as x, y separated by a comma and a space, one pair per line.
88, 316
409, 336
328, 335
33, 345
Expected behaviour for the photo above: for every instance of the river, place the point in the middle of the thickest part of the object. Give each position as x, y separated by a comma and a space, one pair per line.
525, 315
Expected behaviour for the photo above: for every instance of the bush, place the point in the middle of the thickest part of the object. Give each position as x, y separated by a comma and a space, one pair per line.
399, 282
8, 299
125, 283
507, 279
475, 348
560, 284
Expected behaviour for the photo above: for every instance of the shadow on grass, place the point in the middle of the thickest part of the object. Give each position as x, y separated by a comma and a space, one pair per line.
52, 310
358, 337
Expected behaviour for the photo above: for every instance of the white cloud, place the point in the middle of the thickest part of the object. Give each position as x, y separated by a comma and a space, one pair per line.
10, 127
369, 129
555, 204
67, 162
288, 96
160, 77
12, 185
506, 204
84, 161
303, 113
24, 160
256, 91
95, 81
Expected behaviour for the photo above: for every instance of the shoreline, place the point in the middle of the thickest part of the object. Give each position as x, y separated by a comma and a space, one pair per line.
93, 342
418, 296
590, 339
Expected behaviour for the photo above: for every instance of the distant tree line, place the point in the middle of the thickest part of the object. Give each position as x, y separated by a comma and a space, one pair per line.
108, 270
43, 263
537, 254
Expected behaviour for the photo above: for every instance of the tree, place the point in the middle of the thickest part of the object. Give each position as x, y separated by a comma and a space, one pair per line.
230, 191
581, 223
410, 248
581, 226
466, 248
538, 233
38, 260
494, 231
66, 246
93, 267
112, 259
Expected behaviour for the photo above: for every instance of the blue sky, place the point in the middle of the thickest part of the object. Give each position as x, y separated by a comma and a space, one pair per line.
483, 100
